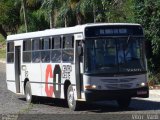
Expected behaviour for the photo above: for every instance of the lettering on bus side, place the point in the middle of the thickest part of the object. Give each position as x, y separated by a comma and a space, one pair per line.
67, 69
26, 74
55, 75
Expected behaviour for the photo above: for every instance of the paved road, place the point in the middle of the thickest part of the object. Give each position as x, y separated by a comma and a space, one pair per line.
15, 104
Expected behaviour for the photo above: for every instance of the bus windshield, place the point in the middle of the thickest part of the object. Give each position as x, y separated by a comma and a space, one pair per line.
115, 55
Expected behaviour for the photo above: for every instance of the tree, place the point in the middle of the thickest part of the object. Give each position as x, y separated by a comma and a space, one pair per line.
25, 7
96, 8
66, 14
50, 8
75, 6
147, 13
3, 32
9, 20
24, 14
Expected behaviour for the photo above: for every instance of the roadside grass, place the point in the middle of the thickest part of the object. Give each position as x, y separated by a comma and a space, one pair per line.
154, 79
2, 48
2, 54
26, 109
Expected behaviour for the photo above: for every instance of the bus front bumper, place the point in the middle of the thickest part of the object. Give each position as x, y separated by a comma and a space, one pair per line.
97, 95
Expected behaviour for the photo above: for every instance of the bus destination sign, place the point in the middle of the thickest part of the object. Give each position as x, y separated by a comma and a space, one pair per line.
113, 31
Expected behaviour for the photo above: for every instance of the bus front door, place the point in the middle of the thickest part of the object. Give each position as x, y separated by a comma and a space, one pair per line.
79, 67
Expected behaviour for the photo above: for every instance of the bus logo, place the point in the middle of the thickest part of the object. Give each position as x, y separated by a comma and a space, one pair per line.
56, 76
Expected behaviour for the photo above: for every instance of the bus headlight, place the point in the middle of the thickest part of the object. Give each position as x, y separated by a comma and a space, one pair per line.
143, 84
90, 87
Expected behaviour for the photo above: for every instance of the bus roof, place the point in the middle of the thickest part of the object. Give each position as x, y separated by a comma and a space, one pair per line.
60, 31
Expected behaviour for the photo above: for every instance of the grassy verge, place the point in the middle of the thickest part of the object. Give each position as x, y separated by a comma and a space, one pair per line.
2, 54
2, 48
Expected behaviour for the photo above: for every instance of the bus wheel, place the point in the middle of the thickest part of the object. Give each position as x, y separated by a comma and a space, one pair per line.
72, 103
124, 103
28, 93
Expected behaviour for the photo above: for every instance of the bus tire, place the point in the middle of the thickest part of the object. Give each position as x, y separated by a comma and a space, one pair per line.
72, 103
28, 93
124, 103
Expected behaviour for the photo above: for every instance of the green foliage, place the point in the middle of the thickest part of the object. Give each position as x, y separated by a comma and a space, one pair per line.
154, 79
2, 48
9, 15
36, 22
147, 13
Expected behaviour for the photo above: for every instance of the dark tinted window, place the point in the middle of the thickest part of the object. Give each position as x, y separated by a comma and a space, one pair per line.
68, 51
27, 51
10, 47
57, 43
68, 42
67, 55
10, 57
45, 56
27, 56
10, 52
36, 53
36, 56
46, 43
27, 45
56, 56
36, 44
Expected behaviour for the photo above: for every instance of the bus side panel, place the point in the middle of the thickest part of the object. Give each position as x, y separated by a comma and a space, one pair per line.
10, 77
34, 73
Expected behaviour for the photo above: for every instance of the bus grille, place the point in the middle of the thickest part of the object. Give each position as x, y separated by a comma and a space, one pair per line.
119, 86
123, 80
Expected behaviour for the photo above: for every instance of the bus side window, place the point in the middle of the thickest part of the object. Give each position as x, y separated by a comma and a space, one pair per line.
36, 53
27, 51
56, 55
10, 52
68, 50
46, 43
57, 42
45, 53
36, 44
68, 42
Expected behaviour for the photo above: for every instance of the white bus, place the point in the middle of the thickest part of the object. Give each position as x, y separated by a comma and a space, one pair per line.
90, 62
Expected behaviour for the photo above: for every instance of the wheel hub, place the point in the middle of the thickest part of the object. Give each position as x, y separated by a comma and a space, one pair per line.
28, 96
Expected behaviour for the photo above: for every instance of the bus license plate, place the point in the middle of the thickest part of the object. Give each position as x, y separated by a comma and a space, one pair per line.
141, 92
